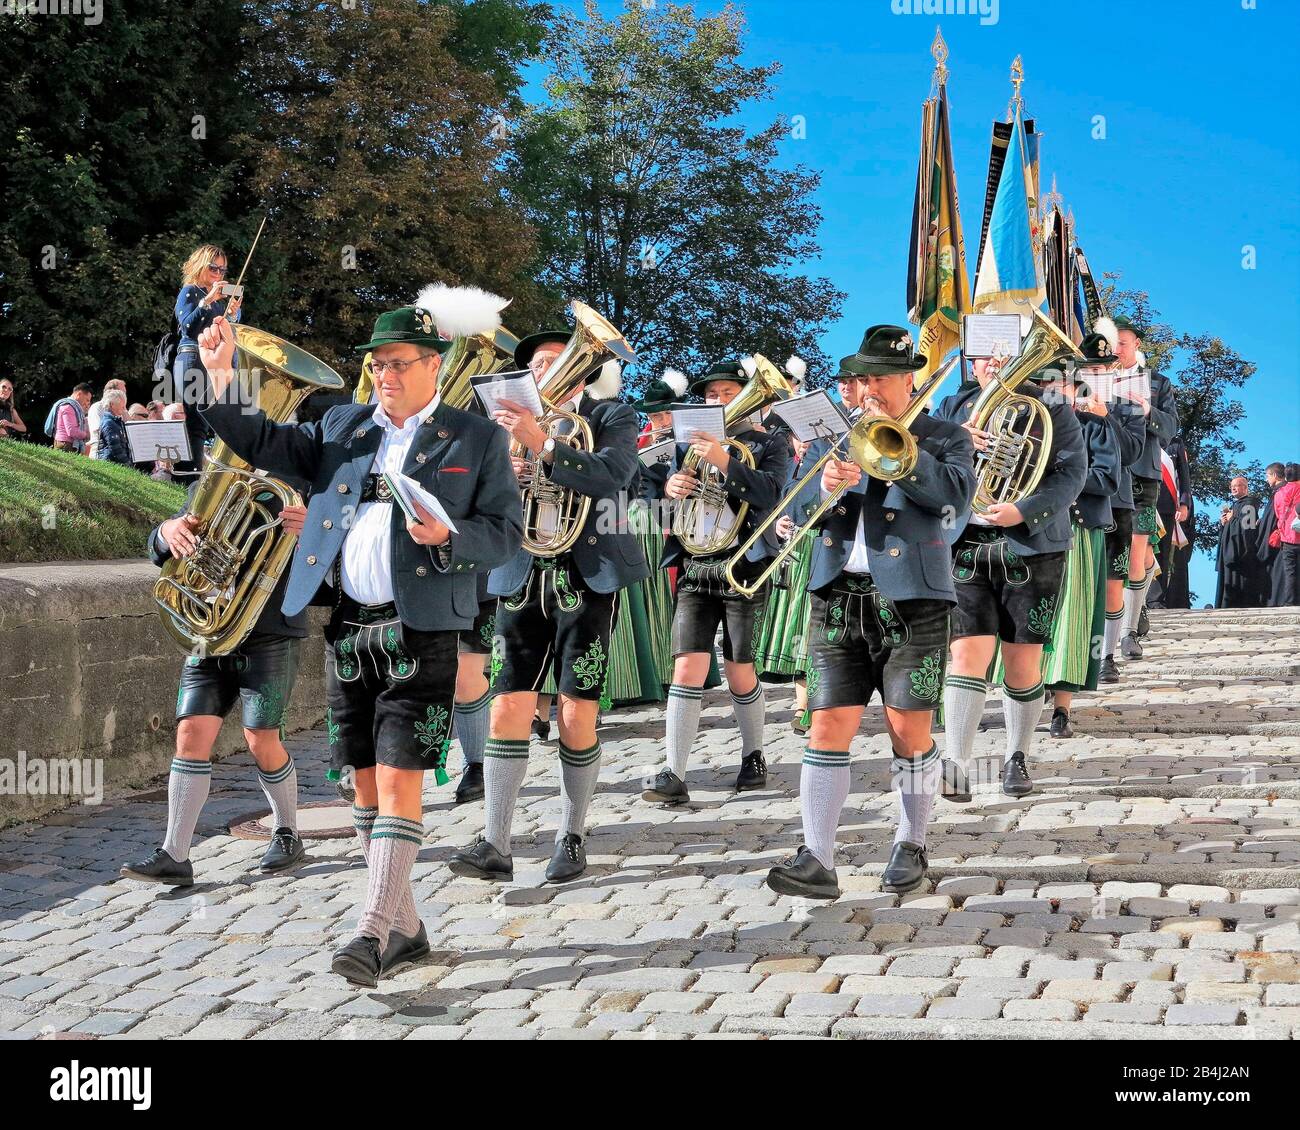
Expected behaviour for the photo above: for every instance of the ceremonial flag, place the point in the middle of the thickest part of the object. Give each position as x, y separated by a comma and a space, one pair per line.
938, 287
1087, 300
1009, 275
1169, 476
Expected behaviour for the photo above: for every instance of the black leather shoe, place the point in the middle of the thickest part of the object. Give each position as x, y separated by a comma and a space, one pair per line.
358, 962
954, 785
1144, 623
470, 786
161, 868
1129, 647
906, 868
803, 876
753, 773
1061, 727
284, 851
1109, 672
482, 861
1015, 777
667, 788
542, 730
569, 860
402, 950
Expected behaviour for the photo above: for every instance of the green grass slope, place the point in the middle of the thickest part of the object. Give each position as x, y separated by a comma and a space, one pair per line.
55, 506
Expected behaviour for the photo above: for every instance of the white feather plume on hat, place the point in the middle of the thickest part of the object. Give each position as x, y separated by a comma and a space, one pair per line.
1106, 328
607, 384
676, 380
1141, 359
797, 367
461, 311
749, 365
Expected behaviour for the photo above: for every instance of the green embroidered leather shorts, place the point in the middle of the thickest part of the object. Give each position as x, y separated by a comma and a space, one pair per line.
1000, 593
705, 601
389, 690
478, 640
863, 642
1119, 545
554, 622
259, 673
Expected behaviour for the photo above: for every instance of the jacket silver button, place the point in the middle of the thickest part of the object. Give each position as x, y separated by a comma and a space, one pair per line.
343, 488
894, 552
591, 541
361, 433
828, 541
840, 511
420, 457
889, 517
311, 560
420, 571
328, 524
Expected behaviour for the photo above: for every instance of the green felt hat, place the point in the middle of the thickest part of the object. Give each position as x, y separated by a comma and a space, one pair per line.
1123, 323
411, 324
662, 392
884, 350
721, 371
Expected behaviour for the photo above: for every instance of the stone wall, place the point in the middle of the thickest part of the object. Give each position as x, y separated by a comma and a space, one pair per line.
87, 672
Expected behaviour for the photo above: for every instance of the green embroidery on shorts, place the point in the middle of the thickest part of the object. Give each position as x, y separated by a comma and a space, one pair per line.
755, 637
497, 661
488, 630
434, 729
1040, 616
403, 665
332, 728
268, 703
345, 658
927, 678
590, 669
1120, 562
813, 680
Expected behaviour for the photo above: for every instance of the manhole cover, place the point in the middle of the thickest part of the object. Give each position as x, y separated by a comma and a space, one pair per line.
319, 820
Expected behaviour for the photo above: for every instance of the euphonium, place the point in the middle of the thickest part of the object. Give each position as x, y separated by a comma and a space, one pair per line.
211, 599
704, 522
1013, 464
553, 515
883, 446
473, 356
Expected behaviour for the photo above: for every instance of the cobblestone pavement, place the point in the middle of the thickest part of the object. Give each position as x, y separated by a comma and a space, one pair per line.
1147, 888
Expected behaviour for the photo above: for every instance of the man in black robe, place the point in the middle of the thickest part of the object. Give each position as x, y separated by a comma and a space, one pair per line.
1238, 566
1270, 557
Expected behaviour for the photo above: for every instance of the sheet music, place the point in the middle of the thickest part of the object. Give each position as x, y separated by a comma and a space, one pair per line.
689, 418
812, 416
1135, 385
410, 490
520, 387
656, 453
1101, 385
990, 335
158, 439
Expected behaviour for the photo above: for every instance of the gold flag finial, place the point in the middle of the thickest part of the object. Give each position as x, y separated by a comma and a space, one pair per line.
939, 49
1017, 78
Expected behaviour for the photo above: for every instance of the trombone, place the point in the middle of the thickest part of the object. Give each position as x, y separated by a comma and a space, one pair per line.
883, 446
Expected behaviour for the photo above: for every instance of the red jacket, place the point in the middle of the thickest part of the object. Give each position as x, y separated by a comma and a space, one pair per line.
1286, 500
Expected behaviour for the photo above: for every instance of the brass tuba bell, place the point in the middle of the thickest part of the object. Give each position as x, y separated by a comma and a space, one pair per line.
210, 600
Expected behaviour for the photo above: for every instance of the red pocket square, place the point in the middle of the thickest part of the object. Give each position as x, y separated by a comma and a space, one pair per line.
455, 470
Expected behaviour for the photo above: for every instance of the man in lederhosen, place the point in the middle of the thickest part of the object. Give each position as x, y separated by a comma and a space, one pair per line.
557, 614
1161, 412
882, 590
705, 600
402, 590
1008, 563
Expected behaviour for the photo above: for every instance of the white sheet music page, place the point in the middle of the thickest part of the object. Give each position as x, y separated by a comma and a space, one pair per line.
410, 489
812, 416
519, 387
690, 418
656, 453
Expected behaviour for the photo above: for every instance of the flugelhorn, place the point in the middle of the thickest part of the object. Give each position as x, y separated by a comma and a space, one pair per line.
700, 521
883, 446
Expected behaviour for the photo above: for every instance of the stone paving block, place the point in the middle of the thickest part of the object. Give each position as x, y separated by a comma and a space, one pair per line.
867, 986
675, 1002
1136, 971
844, 964
1040, 1010
904, 1007
965, 1008
1224, 992
1117, 1013
1062, 969
749, 1004
921, 965
717, 981
792, 983
1083, 992
998, 988
1202, 1014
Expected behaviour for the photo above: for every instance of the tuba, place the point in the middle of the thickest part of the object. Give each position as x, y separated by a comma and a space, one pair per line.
1012, 466
883, 446
474, 356
553, 515
210, 600
704, 522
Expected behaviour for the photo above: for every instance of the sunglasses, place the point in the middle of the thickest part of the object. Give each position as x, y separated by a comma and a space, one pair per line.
220, 270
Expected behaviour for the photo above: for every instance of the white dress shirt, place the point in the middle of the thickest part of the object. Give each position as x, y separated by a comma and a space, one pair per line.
858, 562
368, 547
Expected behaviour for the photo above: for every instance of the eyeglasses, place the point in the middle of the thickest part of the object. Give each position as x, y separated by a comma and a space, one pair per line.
397, 367
221, 270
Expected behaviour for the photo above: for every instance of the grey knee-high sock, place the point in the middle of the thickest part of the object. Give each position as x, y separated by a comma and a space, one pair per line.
281, 789
963, 707
1021, 711
683, 723
1135, 596
471, 723
916, 780
1114, 624
579, 770
394, 844
187, 791
750, 714
505, 764
406, 921
823, 789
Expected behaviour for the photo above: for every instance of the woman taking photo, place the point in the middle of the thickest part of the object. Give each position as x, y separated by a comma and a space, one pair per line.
200, 302
11, 424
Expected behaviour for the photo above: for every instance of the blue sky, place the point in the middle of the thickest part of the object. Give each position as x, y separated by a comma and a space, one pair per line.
1199, 158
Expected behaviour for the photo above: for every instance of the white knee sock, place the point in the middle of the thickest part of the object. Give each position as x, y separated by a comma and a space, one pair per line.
823, 789
916, 780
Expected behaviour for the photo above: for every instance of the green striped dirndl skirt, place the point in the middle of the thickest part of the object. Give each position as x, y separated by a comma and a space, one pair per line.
640, 665
1074, 660
782, 651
